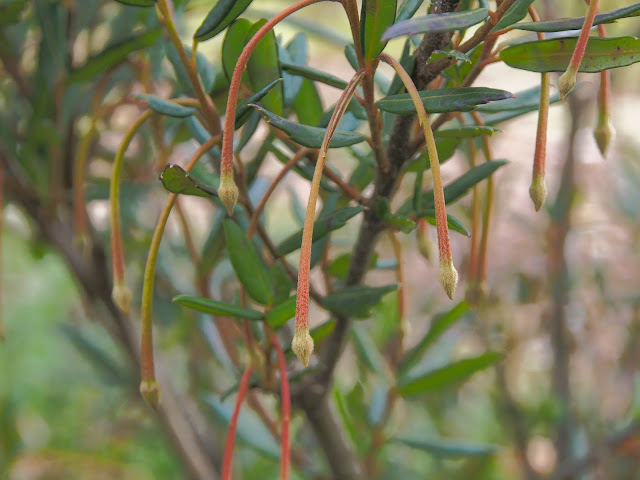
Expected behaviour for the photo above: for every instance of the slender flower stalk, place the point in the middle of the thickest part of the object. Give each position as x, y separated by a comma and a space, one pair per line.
148, 385
302, 344
448, 274
604, 132
231, 433
568, 79
228, 190
285, 398
538, 188
121, 293
79, 171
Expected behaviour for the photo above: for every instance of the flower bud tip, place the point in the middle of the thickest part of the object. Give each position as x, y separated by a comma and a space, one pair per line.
302, 345
150, 392
604, 134
538, 191
448, 276
228, 192
121, 296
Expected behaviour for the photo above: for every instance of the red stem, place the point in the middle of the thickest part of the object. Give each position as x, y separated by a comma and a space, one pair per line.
231, 434
581, 45
286, 410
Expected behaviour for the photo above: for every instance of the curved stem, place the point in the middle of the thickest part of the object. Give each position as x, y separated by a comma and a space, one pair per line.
285, 398
231, 433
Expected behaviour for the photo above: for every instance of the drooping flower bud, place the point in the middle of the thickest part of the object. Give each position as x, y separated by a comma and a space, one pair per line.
121, 295
604, 134
150, 392
448, 276
228, 191
538, 191
302, 344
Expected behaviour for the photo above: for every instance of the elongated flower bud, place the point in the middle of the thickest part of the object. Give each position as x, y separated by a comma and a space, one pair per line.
448, 276
228, 191
121, 296
538, 191
302, 344
604, 134
150, 392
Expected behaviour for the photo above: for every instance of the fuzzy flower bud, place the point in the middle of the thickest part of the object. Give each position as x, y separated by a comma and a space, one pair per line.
121, 296
567, 81
448, 276
538, 191
604, 134
302, 345
228, 191
150, 392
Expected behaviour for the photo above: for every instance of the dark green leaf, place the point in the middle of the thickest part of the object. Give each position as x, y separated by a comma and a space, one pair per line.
322, 226
247, 263
562, 24
244, 109
307, 136
408, 9
281, 284
10, 13
401, 223
264, 67
366, 349
446, 376
166, 107
220, 16
466, 131
232, 46
529, 101
138, 3
437, 23
177, 180
452, 222
204, 68
439, 325
113, 54
554, 55
206, 305
314, 74
443, 100
447, 449
282, 313
307, 105
356, 301
529, 98
516, 12
375, 17
408, 63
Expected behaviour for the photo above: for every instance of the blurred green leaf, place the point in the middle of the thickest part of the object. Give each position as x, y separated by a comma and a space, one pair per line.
10, 12
366, 350
452, 222
213, 307
281, 284
203, 67
247, 263
408, 63
219, 17
264, 67
516, 12
307, 105
554, 55
443, 100
437, 23
177, 180
447, 449
375, 17
562, 24
445, 376
282, 313
356, 301
113, 54
244, 109
408, 9
309, 136
440, 324
314, 74
232, 46
322, 226
138, 3
465, 131
166, 107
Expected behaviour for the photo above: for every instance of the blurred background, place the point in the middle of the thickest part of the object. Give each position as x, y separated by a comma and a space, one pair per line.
563, 283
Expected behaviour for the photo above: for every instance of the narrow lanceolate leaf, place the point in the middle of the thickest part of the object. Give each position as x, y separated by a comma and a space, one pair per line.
447, 449
313, 74
166, 107
356, 301
247, 264
466, 131
516, 12
322, 226
112, 55
437, 23
443, 100
177, 180
376, 16
264, 68
309, 136
244, 109
232, 46
440, 324
282, 313
562, 24
446, 376
206, 305
554, 55
221, 15
452, 222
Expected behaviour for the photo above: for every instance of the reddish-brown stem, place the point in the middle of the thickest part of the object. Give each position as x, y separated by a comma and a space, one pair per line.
285, 398
402, 293
1, 225
583, 38
231, 433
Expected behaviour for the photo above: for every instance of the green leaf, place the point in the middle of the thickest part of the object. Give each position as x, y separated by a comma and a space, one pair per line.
356, 301
177, 180
138, 3
408, 9
244, 109
375, 17
206, 305
554, 55
366, 349
322, 226
443, 100
232, 46
308, 105
408, 63
447, 449
525, 102
247, 263
314, 74
11, 12
516, 12
166, 107
437, 23
309, 136
446, 376
204, 68
562, 24
282, 313
112, 55
440, 324
452, 222
264, 67
281, 284
219, 17
466, 131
